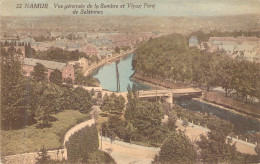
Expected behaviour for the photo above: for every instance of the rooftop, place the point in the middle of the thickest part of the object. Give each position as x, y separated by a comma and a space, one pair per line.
48, 64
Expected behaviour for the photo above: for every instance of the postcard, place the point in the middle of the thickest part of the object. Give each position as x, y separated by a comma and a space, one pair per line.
130, 81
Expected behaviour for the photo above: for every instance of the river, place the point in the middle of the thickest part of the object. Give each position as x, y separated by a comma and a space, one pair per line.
241, 123
107, 77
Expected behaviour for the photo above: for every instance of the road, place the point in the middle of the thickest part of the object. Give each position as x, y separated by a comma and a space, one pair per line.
194, 131
126, 153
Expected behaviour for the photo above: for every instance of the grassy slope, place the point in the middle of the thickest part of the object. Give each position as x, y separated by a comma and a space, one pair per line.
31, 139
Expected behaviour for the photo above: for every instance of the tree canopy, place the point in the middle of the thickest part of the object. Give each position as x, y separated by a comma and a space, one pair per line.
177, 149
25, 101
169, 57
56, 77
39, 73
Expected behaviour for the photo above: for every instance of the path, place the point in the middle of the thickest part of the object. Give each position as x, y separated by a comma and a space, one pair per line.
194, 131
126, 153
77, 128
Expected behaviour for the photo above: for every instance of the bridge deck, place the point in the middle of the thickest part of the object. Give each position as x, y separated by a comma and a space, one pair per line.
169, 92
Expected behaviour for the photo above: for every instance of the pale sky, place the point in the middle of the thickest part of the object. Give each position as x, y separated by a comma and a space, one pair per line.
162, 7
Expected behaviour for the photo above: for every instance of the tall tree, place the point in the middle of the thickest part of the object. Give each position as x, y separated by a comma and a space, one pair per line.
56, 77
39, 73
117, 50
177, 149
215, 148
13, 89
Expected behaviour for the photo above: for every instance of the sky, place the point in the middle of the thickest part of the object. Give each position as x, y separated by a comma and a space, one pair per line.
162, 7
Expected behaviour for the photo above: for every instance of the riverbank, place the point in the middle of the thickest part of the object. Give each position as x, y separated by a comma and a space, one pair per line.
226, 108
216, 99
90, 69
228, 103
159, 82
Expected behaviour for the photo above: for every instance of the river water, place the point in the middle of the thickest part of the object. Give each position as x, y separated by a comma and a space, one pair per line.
107, 77
241, 123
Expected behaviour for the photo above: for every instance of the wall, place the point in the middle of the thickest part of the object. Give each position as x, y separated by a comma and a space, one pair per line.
68, 72
60, 154
230, 103
31, 158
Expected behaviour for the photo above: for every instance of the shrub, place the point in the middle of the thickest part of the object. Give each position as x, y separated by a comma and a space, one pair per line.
82, 144
177, 149
100, 157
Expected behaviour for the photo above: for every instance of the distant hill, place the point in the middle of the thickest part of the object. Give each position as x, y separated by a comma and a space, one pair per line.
183, 25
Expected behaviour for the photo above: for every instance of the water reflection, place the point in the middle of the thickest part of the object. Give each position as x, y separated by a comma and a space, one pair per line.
107, 75
242, 124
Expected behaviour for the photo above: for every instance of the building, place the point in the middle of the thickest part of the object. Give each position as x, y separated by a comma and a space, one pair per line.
193, 41
246, 47
234, 41
66, 69
82, 62
26, 39
90, 50
104, 54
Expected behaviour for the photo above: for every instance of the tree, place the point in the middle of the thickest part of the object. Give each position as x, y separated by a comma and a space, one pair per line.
170, 57
257, 150
215, 148
50, 102
43, 157
99, 95
146, 118
172, 119
56, 77
117, 50
185, 123
82, 144
39, 73
13, 90
92, 92
29, 51
82, 100
113, 103
177, 149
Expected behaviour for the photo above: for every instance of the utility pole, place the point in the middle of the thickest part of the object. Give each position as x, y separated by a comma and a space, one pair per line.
101, 138
117, 78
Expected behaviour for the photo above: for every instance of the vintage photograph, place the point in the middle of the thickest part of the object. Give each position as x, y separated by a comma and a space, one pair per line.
130, 81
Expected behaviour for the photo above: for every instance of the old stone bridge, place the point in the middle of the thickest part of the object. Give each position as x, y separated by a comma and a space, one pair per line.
170, 94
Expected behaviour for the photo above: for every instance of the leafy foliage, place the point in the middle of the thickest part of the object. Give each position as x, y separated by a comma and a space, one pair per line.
101, 157
14, 92
83, 80
82, 143
113, 103
39, 73
177, 149
117, 50
43, 157
56, 77
169, 57
143, 120
25, 101
60, 55
215, 148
